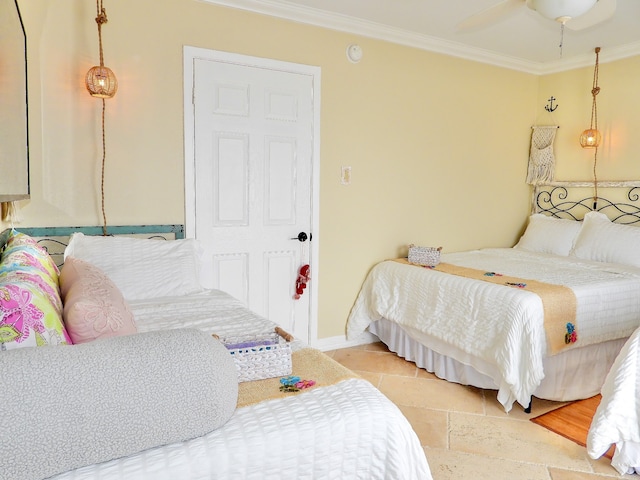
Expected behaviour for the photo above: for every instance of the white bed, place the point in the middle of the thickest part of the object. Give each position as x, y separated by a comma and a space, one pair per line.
346, 429
617, 419
491, 336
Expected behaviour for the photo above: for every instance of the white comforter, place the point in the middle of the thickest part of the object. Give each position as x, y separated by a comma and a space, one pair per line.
500, 325
617, 419
345, 431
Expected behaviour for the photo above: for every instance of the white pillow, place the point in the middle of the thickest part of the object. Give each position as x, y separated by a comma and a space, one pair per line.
549, 235
604, 241
142, 268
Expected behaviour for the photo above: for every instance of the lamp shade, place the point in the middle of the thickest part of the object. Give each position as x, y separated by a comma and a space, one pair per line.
590, 138
101, 82
561, 9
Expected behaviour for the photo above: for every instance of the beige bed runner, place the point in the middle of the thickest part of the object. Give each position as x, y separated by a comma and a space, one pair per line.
558, 301
308, 364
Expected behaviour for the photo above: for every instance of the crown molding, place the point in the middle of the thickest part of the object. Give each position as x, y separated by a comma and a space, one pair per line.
343, 23
586, 60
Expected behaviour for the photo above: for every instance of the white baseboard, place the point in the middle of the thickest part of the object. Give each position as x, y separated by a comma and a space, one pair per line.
335, 343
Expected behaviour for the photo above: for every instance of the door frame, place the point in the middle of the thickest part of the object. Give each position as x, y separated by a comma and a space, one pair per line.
190, 54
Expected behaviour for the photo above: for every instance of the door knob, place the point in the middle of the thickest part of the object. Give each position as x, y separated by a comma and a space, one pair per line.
302, 237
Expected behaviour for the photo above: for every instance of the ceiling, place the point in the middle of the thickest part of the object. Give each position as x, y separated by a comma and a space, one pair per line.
523, 40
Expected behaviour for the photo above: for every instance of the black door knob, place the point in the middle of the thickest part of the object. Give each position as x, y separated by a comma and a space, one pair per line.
302, 237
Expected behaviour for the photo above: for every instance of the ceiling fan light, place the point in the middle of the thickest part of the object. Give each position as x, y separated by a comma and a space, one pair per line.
590, 138
561, 9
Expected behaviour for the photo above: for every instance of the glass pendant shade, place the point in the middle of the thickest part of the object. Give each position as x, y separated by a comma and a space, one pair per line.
561, 9
101, 82
590, 138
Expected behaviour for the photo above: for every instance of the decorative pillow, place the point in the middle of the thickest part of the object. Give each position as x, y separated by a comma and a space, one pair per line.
549, 235
29, 319
604, 241
119, 395
24, 260
142, 268
93, 305
30, 304
20, 242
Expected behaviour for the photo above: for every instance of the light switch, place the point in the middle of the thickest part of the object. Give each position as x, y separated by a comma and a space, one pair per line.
345, 175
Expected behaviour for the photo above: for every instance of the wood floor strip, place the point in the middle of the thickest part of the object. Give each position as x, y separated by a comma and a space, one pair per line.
572, 421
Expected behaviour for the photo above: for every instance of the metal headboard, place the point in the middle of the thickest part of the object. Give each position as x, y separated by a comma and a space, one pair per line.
56, 239
620, 201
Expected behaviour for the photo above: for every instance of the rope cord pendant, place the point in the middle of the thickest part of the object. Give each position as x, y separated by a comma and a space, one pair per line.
104, 157
101, 83
594, 126
591, 138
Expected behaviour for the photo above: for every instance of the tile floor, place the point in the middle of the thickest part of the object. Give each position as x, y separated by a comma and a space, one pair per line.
464, 430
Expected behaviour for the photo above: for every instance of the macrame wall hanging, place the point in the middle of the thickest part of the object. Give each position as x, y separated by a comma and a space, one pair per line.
9, 212
541, 159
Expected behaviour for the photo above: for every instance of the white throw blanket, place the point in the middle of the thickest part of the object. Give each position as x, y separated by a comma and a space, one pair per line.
500, 325
617, 419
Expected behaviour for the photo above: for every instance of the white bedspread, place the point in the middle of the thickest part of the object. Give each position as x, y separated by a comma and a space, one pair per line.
617, 419
502, 326
344, 431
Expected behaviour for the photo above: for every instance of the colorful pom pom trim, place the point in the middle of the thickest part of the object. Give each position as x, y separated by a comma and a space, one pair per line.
293, 383
571, 336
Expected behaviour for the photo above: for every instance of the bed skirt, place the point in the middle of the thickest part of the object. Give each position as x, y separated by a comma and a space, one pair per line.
570, 375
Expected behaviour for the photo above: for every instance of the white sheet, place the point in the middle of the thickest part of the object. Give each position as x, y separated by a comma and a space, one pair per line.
499, 325
617, 419
347, 430
212, 311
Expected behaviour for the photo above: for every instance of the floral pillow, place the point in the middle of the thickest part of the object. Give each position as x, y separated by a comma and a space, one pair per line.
29, 319
23, 250
24, 260
30, 304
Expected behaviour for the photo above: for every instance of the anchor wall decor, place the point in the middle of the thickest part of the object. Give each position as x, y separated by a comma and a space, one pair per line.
550, 107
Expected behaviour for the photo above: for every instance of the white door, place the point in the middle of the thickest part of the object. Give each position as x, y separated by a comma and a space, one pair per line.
254, 134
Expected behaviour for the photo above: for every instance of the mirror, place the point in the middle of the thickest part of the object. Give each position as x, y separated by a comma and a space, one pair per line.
14, 136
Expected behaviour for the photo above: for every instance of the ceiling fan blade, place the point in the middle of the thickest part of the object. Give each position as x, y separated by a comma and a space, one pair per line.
601, 11
490, 15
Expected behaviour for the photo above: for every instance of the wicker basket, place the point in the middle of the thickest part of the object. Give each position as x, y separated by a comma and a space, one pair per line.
428, 256
259, 356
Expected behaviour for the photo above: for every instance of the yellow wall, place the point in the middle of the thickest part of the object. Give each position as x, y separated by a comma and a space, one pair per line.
438, 145
618, 104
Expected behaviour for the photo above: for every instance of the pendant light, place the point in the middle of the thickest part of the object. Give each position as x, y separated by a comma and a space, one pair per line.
101, 83
100, 80
591, 137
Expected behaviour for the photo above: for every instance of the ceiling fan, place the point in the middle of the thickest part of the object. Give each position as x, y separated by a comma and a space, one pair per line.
575, 14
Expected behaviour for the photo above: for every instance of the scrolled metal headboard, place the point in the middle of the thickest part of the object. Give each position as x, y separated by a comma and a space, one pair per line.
620, 201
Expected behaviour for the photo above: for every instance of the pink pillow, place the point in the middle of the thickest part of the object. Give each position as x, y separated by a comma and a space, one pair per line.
93, 305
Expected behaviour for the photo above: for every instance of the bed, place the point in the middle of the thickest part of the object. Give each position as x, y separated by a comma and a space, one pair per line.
481, 318
341, 429
617, 418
